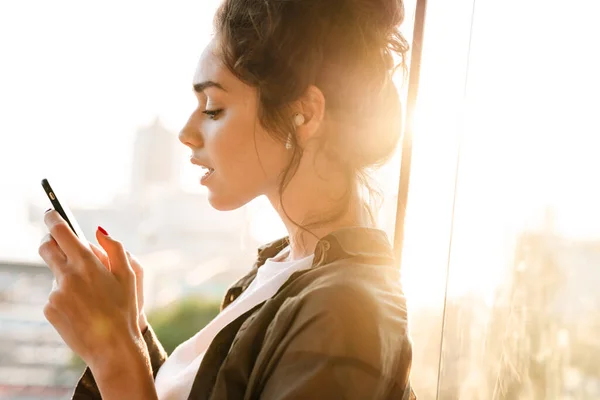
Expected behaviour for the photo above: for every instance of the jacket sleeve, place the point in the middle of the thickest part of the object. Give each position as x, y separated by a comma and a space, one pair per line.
87, 389
339, 345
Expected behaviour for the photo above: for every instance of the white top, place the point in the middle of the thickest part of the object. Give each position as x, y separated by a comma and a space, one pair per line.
176, 376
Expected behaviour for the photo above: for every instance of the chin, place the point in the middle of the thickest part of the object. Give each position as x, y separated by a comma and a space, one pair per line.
224, 203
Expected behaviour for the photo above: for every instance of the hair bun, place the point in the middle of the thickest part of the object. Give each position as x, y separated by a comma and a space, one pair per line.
382, 19
386, 15
391, 13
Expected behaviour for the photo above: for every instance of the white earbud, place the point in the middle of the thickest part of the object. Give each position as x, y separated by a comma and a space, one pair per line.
298, 119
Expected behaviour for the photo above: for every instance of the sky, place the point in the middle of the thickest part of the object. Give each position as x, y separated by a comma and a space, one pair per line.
78, 78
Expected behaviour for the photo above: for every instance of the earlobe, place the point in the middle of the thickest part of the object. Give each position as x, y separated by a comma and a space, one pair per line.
314, 104
311, 109
298, 121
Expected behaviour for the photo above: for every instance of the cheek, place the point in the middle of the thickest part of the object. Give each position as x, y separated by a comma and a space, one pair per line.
232, 146
274, 158
247, 156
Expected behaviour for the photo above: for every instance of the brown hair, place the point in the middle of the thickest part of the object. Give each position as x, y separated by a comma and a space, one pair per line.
345, 48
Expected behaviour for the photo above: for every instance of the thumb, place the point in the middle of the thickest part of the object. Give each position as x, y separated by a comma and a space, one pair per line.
117, 257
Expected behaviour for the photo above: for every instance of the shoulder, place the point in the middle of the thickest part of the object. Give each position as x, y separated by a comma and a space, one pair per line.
350, 318
352, 291
359, 302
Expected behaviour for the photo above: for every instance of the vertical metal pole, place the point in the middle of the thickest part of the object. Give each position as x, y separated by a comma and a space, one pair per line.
413, 90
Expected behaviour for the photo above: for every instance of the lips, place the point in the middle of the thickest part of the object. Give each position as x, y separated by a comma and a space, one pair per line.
209, 170
200, 163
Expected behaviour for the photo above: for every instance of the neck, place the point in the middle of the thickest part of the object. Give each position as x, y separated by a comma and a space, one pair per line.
307, 208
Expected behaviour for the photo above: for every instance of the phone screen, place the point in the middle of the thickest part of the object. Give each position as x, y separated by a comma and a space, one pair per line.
64, 211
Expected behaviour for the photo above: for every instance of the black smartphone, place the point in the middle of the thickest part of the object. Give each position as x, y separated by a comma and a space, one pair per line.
63, 210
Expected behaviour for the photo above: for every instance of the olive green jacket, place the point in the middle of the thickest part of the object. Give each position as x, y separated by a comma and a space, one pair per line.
335, 331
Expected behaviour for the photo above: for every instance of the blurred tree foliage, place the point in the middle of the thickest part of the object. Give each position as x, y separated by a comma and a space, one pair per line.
181, 320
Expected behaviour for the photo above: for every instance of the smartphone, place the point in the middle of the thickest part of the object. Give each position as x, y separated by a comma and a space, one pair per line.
64, 211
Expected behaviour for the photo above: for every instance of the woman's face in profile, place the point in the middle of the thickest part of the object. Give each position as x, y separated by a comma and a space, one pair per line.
225, 135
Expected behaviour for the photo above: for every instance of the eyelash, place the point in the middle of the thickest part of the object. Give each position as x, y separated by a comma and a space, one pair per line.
212, 114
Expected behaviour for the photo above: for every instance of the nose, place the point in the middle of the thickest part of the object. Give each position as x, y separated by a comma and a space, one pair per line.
190, 134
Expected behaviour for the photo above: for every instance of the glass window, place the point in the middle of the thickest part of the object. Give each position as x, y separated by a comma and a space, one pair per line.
522, 245
429, 210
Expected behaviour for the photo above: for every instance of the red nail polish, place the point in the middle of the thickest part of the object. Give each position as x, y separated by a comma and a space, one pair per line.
101, 229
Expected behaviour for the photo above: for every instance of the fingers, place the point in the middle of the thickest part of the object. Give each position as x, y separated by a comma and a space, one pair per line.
51, 309
101, 254
63, 235
119, 263
135, 265
52, 255
133, 261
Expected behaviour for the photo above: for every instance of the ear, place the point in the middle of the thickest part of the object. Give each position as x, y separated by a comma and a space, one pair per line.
312, 106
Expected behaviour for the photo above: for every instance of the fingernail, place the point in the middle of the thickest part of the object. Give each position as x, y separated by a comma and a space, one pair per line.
101, 229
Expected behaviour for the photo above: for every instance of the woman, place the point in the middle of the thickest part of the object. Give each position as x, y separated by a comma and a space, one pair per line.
295, 102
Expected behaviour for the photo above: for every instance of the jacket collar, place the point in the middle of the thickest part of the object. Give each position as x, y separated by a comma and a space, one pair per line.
369, 243
340, 244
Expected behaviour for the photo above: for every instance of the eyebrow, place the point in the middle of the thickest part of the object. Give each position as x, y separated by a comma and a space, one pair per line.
200, 87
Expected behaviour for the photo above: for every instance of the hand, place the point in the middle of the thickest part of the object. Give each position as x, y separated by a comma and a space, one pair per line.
139, 279
93, 308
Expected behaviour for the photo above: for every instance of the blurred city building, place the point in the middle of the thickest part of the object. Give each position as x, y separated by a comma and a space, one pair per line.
34, 361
